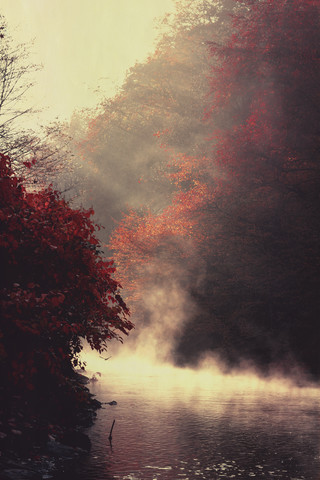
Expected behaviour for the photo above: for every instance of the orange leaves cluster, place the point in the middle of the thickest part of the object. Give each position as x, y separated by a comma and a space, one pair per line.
171, 235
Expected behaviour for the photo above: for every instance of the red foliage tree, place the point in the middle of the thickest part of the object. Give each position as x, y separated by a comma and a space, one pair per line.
55, 287
251, 209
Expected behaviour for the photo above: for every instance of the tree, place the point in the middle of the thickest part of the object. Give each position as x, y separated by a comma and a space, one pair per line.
157, 114
250, 207
16, 80
268, 171
14, 83
55, 289
51, 146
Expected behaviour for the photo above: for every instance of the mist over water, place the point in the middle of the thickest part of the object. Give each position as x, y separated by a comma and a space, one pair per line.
245, 297
184, 423
167, 313
219, 379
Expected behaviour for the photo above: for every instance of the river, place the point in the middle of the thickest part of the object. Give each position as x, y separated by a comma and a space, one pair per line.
173, 424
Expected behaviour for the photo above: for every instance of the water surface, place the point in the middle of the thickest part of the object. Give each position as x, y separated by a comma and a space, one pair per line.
175, 426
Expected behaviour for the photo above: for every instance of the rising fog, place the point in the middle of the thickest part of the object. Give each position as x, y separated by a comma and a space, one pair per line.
242, 288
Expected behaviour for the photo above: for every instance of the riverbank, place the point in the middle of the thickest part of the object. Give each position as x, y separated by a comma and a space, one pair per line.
34, 447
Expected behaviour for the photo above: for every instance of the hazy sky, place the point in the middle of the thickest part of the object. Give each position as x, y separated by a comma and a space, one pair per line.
82, 44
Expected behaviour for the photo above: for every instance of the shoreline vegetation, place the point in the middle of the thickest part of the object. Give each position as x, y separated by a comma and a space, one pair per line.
39, 444
56, 290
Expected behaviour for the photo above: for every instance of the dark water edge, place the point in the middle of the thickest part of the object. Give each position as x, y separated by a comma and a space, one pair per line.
36, 449
173, 432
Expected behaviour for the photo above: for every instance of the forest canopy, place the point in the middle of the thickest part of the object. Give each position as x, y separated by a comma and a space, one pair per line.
241, 232
204, 170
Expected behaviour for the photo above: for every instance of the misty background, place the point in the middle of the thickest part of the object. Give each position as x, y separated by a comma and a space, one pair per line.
216, 260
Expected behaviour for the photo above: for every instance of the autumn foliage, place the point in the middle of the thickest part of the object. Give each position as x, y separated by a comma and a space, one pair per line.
249, 211
55, 286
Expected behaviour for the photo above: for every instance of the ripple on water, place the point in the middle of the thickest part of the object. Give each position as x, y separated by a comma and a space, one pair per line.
204, 434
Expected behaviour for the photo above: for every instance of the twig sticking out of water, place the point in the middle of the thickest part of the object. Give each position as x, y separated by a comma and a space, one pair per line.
110, 434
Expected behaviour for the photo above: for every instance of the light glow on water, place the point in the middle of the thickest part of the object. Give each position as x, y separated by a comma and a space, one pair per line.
207, 376
176, 423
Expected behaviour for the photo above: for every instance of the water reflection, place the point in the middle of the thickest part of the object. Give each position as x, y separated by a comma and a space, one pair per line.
179, 425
